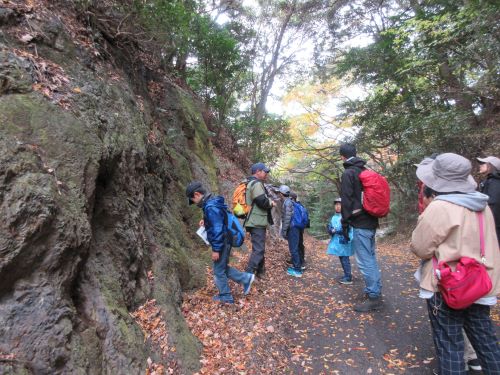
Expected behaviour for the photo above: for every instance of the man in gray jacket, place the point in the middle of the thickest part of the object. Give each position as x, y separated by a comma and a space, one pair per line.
290, 233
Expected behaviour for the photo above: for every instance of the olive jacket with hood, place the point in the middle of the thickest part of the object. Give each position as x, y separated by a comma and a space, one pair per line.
350, 192
260, 205
449, 229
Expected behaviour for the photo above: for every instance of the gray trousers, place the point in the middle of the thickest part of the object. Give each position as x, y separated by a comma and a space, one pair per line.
256, 260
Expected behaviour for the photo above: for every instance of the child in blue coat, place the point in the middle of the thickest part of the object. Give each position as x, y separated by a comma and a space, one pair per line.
339, 245
215, 223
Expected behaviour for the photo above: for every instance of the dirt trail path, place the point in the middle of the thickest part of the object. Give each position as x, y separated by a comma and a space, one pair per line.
333, 339
297, 326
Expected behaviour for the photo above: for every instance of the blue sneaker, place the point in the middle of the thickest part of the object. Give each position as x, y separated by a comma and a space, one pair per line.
293, 273
248, 285
220, 299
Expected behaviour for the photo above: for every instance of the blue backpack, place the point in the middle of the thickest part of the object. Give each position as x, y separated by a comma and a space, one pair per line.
300, 218
235, 230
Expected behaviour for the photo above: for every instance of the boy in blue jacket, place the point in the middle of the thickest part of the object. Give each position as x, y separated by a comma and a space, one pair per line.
215, 222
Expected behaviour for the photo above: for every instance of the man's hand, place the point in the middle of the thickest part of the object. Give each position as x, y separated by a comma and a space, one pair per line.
215, 256
345, 231
201, 223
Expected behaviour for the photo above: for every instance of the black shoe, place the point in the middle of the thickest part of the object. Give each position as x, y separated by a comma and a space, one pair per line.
474, 364
260, 274
370, 304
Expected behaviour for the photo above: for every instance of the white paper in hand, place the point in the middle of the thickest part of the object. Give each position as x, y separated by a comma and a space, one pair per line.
203, 234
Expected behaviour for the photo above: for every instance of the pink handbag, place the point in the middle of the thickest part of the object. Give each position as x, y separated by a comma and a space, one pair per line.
470, 280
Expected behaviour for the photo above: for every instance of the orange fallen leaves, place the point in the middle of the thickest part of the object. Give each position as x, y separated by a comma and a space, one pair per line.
150, 319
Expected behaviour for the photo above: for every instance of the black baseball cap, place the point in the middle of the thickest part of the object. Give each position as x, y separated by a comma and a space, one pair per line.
191, 188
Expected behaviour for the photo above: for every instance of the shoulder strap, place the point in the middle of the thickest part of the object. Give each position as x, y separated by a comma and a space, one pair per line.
252, 204
480, 219
250, 182
435, 267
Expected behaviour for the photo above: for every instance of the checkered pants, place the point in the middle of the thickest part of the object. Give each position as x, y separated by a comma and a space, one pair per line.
447, 327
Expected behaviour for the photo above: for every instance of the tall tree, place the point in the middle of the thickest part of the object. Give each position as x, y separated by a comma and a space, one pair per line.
432, 72
282, 29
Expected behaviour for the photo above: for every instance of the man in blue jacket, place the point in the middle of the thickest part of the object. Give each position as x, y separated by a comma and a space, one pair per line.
215, 222
364, 228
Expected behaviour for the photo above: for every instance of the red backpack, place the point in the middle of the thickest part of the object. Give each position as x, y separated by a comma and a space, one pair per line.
376, 194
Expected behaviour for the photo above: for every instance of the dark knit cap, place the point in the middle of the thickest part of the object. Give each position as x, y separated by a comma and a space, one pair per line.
347, 150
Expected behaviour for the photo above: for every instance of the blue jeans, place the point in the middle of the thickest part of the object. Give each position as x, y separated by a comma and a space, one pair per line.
293, 246
223, 272
363, 244
346, 266
447, 326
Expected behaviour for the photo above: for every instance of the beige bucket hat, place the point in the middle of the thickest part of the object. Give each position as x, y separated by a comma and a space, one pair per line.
448, 173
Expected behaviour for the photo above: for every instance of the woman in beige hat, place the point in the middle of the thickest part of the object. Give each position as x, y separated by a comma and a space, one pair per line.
490, 168
448, 230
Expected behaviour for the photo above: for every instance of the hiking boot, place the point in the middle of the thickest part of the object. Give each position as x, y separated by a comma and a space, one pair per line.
293, 273
346, 280
370, 304
223, 300
474, 364
248, 285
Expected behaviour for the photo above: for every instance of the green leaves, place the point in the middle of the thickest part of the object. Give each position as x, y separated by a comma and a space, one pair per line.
433, 79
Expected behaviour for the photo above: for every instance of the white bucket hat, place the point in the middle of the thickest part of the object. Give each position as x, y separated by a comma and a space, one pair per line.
285, 190
495, 162
448, 173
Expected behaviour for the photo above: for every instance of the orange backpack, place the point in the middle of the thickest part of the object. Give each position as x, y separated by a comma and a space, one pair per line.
240, 206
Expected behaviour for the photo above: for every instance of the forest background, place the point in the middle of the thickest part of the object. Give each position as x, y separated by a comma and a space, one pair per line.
288, 80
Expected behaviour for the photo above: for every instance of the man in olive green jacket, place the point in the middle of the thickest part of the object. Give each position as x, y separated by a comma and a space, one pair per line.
259, 216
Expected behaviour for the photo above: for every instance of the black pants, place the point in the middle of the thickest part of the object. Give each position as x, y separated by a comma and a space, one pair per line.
301, 246
447, 327
256, 261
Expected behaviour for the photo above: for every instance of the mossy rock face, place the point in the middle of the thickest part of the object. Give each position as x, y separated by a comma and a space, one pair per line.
15, 73
92, 200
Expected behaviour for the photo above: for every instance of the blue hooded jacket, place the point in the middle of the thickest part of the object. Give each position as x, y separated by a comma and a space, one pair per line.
337, 245
214, 212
